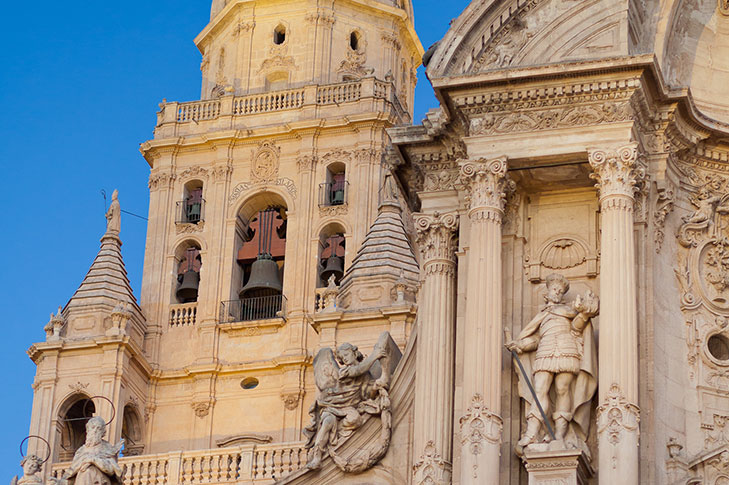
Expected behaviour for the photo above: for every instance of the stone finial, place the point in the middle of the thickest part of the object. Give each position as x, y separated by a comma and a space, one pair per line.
674, 447
54, 326
119, 318
400, 287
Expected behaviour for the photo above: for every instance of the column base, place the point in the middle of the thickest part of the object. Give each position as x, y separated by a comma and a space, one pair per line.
547, 465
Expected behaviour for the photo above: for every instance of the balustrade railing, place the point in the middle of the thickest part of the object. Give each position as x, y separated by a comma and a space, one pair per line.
267, 102
338, 93
183, 314
198, 111
259, 464
323, 95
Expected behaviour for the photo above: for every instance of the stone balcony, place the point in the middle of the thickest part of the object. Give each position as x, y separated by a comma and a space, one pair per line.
368, 95
252, 464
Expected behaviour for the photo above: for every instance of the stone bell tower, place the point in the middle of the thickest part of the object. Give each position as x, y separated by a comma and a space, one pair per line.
261, 193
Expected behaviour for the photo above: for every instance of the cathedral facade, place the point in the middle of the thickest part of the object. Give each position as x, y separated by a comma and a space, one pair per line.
529, 286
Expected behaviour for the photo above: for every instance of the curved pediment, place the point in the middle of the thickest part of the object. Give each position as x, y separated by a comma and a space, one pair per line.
500, 33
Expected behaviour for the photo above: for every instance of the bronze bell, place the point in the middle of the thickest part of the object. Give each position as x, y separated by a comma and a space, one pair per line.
187, 290
334, 266
264, 279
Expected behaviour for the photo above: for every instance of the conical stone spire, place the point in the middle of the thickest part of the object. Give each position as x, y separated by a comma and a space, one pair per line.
385, 259
105, 287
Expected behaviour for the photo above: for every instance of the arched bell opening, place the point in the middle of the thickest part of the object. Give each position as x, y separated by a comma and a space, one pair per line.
190, 208
132, 431
72, 418
332, 248
189, 263
260, 260
334, 190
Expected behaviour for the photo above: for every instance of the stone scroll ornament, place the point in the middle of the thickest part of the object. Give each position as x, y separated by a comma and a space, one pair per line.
97, 461
32, 465
352, 389
559, 355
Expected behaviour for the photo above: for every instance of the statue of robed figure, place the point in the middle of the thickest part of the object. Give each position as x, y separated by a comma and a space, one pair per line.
96, 462
558, 354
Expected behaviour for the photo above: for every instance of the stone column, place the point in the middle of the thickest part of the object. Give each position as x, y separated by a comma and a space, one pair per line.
481, 425
617, 173
436, 346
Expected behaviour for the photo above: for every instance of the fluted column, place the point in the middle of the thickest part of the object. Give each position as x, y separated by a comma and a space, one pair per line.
617, 172
481, 425
436, 347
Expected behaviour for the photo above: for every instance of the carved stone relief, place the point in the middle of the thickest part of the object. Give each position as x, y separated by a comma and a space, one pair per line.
264, 166
615, 416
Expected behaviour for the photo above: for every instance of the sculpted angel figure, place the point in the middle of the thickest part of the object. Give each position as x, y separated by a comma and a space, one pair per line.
706, 204
31, 471
96, 462
558, 353
348, 396
113, 215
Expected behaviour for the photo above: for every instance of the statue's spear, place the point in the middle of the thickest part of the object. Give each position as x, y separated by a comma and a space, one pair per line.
507, 334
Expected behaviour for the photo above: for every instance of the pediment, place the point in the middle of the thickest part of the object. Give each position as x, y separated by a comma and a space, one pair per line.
503, 33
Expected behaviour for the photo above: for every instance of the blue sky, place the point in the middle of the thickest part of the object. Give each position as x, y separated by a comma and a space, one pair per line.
80, 83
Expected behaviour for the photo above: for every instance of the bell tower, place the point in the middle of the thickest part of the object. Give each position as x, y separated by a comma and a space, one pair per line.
261, 194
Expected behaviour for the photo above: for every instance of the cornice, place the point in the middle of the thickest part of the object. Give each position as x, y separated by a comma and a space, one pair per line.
37, 350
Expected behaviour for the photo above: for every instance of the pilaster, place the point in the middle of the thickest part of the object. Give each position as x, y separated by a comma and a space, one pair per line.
481, 425
436, 343
618, 172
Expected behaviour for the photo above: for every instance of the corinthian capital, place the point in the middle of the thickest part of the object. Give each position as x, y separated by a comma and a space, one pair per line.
436, 236
617, 170
487, 183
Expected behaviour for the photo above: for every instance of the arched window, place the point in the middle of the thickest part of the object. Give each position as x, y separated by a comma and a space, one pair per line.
279, 34
73, 415
332, 246
258, 276
132, 431
189, 263
190, 208
334, 190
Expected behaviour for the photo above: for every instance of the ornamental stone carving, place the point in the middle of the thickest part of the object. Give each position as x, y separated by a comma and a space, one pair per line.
352, 389
430, 468
486, 184
479, 424
201, 408
617, 171
557, 352
615, 416
306, 162
161, 180
664, 206
436, 236
264, 167
96, 462
194, 172
54, 326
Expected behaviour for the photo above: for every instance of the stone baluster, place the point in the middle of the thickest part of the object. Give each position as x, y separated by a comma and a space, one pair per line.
481, 425
617, 171
436, 347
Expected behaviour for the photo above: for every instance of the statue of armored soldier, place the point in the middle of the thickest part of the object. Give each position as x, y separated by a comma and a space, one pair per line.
558, 354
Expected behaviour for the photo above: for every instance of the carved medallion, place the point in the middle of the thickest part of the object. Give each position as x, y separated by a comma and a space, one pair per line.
265, 162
